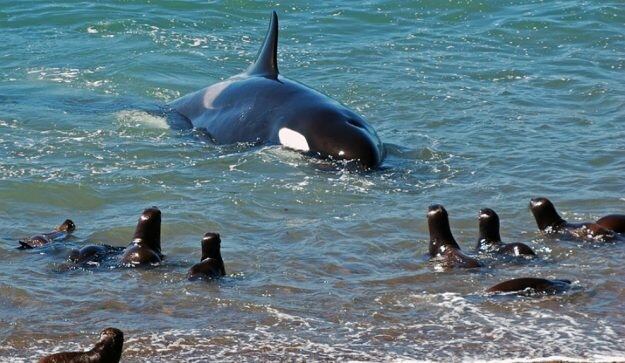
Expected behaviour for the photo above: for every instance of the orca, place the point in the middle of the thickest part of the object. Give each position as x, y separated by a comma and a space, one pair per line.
262, 107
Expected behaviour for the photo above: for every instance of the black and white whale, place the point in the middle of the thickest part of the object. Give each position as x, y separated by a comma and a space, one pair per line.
261, 106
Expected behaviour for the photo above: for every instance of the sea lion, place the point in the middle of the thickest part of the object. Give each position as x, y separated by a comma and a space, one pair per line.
145, 247
260, 106
614, 222
490, 240
211, 265
531, 286
58, 234
442, 245
107, 350
93, 253
549, 221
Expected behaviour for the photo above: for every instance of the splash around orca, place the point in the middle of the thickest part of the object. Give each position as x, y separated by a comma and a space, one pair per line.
261, 106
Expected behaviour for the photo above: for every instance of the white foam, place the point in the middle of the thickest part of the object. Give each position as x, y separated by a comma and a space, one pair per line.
142, 118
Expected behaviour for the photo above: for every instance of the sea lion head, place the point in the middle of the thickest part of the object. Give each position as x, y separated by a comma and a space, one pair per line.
110, 345
67, 226
112, 333
440, 232
489, 225
148, 231
211, 246
545, 213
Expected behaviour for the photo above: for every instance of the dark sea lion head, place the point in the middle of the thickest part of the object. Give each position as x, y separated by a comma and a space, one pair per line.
67, 226
110, 345
440, 232
545, 213
489, 225
148, 231
113, 334
211, 246
212, 265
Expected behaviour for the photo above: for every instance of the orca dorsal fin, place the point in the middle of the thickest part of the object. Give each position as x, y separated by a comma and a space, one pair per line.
266, 64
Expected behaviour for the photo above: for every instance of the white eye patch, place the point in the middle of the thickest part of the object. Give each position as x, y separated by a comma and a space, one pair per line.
293, 139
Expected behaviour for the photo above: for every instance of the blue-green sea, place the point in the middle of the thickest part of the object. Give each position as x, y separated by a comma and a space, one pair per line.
482, 103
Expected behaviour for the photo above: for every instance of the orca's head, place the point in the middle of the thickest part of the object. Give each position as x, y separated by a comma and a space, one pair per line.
318, 126
333, 132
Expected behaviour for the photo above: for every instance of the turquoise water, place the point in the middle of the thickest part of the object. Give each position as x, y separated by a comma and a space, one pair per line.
480, 104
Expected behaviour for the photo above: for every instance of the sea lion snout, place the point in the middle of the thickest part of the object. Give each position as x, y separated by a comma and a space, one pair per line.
211, 236
538, 202
112, 333
485, 214
436, 209
150, 213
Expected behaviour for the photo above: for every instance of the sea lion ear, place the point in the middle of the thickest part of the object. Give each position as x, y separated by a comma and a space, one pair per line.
266, 64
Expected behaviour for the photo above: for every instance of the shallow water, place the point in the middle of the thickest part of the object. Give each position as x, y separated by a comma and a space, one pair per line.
481, 104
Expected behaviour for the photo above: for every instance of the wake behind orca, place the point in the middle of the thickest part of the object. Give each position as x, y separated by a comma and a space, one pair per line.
261, 106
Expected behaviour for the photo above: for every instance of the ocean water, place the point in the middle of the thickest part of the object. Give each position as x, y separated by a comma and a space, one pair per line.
480, 104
